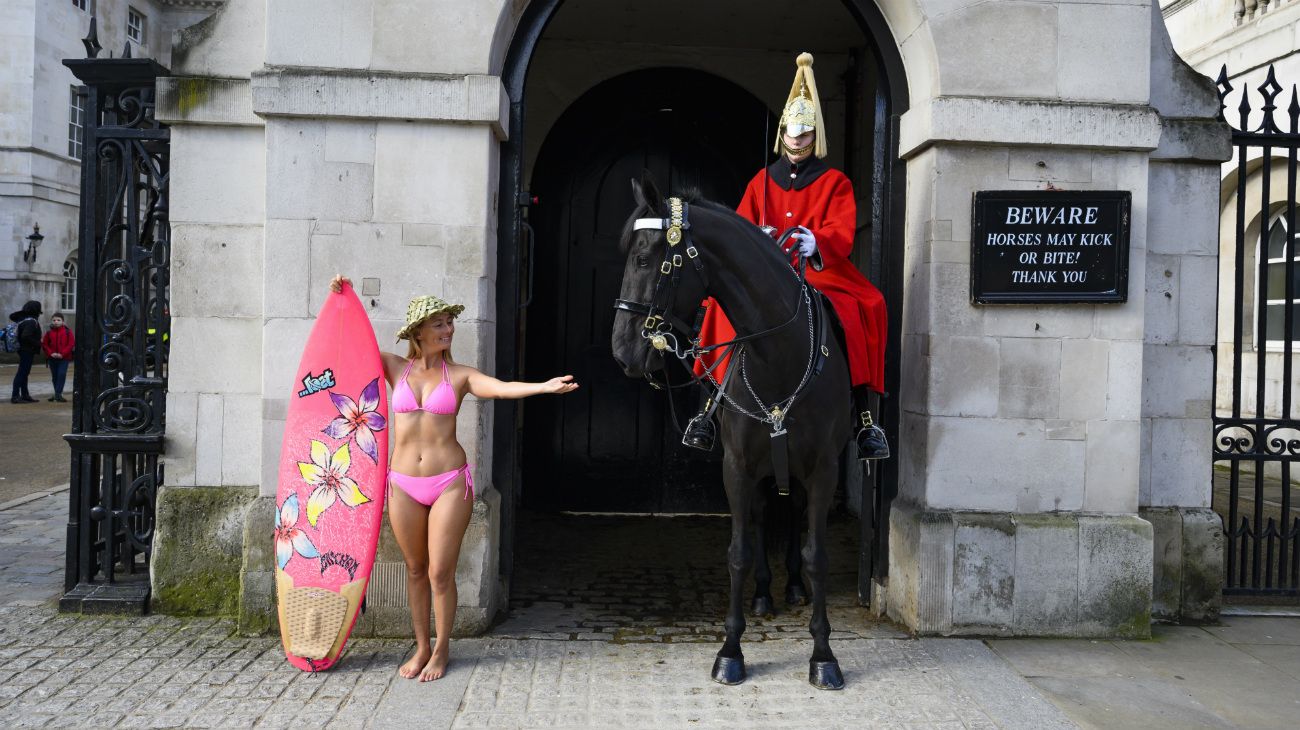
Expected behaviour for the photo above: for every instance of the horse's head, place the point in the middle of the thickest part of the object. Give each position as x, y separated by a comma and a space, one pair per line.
659, 287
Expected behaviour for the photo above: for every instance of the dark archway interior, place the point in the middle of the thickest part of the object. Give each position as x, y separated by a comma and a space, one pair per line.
599, 91
612, 446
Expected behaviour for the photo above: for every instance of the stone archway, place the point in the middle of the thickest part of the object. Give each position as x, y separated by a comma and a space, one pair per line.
870, 122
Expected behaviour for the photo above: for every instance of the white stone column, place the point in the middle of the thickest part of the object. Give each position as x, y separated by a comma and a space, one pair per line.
390, 180
1177, 390
1021, 446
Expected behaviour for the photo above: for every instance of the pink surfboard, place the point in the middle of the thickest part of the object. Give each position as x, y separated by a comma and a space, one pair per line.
333, 469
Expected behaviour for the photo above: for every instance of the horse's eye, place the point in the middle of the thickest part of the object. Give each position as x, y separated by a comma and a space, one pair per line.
642, 260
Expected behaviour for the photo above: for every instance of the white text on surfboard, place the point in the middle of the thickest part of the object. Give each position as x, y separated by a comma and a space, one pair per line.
315, 384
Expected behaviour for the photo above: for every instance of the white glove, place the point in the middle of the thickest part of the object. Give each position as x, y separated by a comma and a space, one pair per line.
807, 242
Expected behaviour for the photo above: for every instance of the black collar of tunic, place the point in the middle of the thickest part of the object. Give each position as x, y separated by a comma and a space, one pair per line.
788, 175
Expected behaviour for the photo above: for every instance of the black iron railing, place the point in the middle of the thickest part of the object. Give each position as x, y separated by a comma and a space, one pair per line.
1256, 429
123, 324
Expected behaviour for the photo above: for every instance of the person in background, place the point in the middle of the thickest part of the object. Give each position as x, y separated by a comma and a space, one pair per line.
58, 344
29, 343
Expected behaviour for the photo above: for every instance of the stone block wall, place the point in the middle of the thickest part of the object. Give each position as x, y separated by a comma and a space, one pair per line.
360, 139
291, 168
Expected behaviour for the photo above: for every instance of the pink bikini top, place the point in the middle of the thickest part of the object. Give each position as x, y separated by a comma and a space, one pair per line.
442, 401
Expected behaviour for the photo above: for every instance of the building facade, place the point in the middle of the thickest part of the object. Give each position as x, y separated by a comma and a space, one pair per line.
1050, 475
41, 120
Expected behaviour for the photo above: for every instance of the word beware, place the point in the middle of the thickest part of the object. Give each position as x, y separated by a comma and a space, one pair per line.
1051, 215
316, 383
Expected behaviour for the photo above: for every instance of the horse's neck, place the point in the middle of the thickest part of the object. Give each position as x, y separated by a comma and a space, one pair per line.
758, 293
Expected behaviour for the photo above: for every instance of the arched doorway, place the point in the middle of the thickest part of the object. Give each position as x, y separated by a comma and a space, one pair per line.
746, 44
612, 446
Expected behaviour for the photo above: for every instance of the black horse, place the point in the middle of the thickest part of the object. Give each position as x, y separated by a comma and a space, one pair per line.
698, 249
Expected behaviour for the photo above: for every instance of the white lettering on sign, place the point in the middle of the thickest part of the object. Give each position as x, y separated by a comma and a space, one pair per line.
1014, 239
1051, 215
1033, 277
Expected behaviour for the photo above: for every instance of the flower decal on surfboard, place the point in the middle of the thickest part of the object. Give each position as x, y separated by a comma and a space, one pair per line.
358, 420
328, 474
288, 538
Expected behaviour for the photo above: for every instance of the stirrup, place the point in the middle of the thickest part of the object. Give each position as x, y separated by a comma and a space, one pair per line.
700, 432
871, 439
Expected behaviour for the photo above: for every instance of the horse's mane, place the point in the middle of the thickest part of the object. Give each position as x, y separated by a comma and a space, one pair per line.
738, 224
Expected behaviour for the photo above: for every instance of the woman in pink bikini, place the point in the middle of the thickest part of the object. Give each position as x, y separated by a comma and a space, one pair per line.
431, 505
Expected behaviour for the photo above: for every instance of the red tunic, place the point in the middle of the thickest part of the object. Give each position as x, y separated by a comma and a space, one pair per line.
820, 199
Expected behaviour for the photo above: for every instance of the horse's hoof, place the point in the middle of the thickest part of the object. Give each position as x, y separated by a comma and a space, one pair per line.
795, 595
729, 670
825, 675
763, 607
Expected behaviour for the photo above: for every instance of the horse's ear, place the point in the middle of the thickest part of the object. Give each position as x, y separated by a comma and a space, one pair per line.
650, 195
638, 195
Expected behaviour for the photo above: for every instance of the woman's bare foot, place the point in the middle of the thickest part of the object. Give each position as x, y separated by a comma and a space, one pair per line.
411, 669
437, 665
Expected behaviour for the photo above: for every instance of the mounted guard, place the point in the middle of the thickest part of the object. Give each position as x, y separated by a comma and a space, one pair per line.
815, 205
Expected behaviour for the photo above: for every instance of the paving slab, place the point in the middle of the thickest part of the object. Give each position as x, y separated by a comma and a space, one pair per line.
1182, 677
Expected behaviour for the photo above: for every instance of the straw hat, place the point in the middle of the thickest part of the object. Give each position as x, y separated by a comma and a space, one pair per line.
422, 308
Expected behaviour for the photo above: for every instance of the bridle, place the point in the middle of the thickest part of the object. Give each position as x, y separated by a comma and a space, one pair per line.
661, 326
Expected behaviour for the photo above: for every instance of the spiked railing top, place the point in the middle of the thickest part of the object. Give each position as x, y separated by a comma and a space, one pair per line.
1269, 90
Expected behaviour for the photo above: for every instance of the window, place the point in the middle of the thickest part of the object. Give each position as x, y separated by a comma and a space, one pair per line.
135, 26
1279, 245
68, 293
85, 5
76, 122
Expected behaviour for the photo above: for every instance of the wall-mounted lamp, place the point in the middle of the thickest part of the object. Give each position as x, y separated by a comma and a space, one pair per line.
33, 242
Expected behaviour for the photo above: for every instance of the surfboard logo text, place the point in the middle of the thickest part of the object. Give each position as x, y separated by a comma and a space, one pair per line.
316, 383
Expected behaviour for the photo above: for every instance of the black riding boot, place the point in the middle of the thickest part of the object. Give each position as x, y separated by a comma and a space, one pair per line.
701, 432
870, 437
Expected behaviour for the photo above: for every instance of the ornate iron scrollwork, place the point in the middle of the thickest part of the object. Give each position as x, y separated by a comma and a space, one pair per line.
123, 324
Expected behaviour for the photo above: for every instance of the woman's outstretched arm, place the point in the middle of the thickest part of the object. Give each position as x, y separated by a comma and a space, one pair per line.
486, 386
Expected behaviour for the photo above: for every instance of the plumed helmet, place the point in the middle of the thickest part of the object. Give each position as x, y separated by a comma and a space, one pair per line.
803, 107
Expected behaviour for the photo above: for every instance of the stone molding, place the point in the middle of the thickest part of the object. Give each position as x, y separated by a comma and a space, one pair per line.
206, 100
1033, 122
330, 93
1194, 140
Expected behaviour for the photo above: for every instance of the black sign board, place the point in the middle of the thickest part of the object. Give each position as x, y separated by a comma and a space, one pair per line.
1034, 247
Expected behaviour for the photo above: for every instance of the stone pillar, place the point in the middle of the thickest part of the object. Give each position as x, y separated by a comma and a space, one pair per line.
302, 153
1178, 368
213, 457
1021, 444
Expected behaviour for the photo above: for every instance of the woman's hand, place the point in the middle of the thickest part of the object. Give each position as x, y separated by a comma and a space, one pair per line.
336, 284
562, 384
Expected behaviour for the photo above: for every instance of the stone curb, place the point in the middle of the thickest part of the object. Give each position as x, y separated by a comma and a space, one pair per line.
32, 497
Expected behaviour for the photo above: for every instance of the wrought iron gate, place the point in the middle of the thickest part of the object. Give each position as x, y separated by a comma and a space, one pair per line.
123, 322
1256, 427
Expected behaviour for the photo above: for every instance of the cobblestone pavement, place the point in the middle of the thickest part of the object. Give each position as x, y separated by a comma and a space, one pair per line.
661, 579
643, 661
161, 672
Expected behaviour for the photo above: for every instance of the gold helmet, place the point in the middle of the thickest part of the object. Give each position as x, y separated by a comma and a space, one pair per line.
803, 108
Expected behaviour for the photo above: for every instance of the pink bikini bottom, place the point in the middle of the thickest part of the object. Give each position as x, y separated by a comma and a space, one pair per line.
426, 490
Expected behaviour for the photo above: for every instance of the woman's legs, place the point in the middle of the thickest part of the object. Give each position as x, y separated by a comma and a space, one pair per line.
410, 520
448, 519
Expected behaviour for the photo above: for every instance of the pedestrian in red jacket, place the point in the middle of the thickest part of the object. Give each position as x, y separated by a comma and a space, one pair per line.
58, 344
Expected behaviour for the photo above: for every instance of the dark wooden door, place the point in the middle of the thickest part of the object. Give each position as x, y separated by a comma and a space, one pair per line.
611, 446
